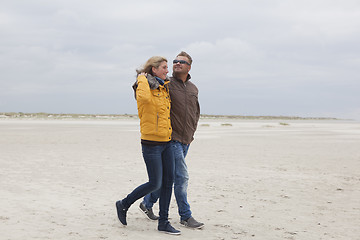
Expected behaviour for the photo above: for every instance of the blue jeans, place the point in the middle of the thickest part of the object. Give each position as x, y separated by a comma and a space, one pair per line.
159, 160
181, 181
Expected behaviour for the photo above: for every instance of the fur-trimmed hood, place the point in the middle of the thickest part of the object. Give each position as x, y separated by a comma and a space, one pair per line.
153, 83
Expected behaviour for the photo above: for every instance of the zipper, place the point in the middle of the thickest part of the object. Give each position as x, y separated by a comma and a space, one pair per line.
186, 112
157, 122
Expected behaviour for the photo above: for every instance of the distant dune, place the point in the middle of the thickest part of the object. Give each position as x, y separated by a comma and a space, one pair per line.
42, 115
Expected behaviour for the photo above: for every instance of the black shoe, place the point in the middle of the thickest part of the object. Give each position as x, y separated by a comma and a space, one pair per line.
148, 212
167, 228
192, 223
121, 212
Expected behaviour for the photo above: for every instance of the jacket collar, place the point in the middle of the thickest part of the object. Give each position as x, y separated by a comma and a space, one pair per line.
187, 78
153, 83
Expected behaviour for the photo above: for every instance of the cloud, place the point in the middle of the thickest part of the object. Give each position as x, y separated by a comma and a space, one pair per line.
268, 57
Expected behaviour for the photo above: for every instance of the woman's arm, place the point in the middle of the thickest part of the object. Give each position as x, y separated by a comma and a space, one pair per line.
143, 93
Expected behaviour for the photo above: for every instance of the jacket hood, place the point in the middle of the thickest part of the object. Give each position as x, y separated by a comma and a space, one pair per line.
153, 83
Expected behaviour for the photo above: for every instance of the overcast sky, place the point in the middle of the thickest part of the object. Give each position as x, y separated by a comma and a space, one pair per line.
251, 57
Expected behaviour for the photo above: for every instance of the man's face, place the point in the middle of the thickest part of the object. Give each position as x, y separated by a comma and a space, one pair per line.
181, 68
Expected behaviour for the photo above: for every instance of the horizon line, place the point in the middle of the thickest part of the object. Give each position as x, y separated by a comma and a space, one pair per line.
206, 116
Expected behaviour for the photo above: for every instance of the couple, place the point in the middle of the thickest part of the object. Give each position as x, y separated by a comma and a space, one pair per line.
165, 143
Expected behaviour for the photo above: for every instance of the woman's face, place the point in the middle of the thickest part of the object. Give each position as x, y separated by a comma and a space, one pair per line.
161, 71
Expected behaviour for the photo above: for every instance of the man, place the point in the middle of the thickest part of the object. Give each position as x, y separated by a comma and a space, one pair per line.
185, 114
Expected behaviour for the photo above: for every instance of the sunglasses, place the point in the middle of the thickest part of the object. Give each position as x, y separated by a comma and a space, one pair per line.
181, 62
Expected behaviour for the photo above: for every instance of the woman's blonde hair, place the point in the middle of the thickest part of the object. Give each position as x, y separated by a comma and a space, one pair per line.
152, 62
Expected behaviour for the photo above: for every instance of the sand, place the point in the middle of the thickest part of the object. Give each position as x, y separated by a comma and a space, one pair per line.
59, 179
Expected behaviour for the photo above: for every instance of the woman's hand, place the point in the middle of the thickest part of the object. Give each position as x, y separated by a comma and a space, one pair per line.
144, 74
141, 74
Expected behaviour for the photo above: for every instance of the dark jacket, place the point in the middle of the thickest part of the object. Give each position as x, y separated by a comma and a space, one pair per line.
185, 109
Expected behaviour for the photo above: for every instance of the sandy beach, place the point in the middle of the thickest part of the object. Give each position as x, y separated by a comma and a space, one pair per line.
270, 179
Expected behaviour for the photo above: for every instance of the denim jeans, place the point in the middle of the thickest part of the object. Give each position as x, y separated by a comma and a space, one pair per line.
159, 160
181, 181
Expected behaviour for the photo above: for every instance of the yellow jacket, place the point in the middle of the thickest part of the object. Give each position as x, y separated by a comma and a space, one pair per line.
154, 111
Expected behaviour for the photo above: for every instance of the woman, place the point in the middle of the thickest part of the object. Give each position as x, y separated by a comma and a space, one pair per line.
153, 102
